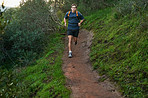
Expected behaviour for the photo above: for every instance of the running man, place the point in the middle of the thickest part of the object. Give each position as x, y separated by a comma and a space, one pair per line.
74, 23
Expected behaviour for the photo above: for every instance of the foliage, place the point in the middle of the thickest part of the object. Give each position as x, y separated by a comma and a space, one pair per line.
2, 27
28, 31
60, 15
132, 7
67, 5
43, 79
88, 6
122, 7
119, 50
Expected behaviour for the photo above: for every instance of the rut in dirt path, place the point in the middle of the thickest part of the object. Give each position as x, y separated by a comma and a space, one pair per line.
80, 77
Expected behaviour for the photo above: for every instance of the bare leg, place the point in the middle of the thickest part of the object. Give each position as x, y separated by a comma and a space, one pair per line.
70, 42
75, 39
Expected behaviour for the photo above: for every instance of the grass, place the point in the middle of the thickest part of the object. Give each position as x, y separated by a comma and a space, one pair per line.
44, 79
119, 50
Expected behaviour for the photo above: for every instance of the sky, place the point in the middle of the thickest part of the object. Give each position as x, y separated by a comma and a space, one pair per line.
10, 3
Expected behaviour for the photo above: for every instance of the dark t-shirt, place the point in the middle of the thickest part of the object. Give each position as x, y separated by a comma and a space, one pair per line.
73, 20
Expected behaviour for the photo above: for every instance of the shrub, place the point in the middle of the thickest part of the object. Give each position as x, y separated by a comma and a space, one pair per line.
27, 33
125, 7
60, 15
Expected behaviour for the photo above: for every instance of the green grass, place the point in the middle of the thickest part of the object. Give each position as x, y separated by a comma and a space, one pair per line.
44, 79
119, 50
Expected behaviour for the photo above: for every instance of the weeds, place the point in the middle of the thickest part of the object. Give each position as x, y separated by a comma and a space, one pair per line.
119, 50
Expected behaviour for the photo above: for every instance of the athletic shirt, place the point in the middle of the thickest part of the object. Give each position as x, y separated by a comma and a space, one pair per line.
73, 20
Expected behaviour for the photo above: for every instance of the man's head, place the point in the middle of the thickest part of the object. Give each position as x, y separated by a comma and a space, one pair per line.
73, 7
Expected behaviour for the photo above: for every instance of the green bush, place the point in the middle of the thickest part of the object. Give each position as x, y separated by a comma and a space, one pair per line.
44, 79
60, 15
10, 85
28, 31
119, 50
132, 7
87, 6
2, 32
26, 45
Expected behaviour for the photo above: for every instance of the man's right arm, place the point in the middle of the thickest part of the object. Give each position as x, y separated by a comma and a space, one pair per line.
65, 22
66, 16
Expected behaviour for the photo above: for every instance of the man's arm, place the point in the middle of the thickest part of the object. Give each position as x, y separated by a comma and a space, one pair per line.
80, 22
66, 16
81, 18
65, 21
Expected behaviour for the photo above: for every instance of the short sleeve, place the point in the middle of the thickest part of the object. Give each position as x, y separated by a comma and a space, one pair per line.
66, 15
80, 16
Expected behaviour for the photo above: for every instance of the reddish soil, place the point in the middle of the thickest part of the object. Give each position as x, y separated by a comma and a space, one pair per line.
81, 79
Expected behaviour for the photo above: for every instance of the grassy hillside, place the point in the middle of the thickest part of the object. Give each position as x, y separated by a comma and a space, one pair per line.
119, 49
44, 79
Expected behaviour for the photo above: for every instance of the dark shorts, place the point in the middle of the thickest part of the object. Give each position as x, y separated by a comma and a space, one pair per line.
74, 33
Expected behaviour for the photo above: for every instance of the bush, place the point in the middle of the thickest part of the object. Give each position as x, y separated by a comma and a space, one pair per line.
119, 50
10, 85
143, 24
60, 15
87, 6
125, 7
26, 45
27, 33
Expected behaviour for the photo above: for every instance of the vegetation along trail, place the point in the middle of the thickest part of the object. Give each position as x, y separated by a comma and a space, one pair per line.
81, 79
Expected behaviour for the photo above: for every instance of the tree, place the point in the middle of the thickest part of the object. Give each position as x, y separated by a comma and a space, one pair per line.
28, 31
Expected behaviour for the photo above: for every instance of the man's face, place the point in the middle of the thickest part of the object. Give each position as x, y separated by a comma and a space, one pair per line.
73, 8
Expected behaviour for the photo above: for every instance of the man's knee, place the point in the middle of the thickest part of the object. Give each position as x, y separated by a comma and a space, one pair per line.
75, 37
70, 38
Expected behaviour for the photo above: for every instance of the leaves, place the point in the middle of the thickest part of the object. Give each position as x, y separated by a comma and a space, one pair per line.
28, 31
119, 50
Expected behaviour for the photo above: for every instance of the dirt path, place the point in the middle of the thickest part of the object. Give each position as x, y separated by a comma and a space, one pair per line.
81, 79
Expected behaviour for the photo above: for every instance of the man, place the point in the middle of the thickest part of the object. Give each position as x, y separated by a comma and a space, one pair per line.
74, 23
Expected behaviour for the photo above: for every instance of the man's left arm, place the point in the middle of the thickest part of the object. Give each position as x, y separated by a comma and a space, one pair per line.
80, 22
81, 17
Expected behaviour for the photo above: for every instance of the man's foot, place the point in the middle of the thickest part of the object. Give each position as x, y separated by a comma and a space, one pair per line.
70, 54
75, 42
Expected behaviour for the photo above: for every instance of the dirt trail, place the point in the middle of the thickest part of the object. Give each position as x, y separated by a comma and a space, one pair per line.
81, 79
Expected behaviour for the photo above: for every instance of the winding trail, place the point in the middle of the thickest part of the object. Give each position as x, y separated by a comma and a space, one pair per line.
81, 79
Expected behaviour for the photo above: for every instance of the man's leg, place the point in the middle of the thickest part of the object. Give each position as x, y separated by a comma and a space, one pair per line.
76, 33
75, 40
69, 42
69, 45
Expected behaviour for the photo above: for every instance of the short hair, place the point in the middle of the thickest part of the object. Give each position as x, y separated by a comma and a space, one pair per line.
74, 5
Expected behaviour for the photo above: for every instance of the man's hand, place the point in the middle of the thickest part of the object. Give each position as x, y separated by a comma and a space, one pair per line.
79, 24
